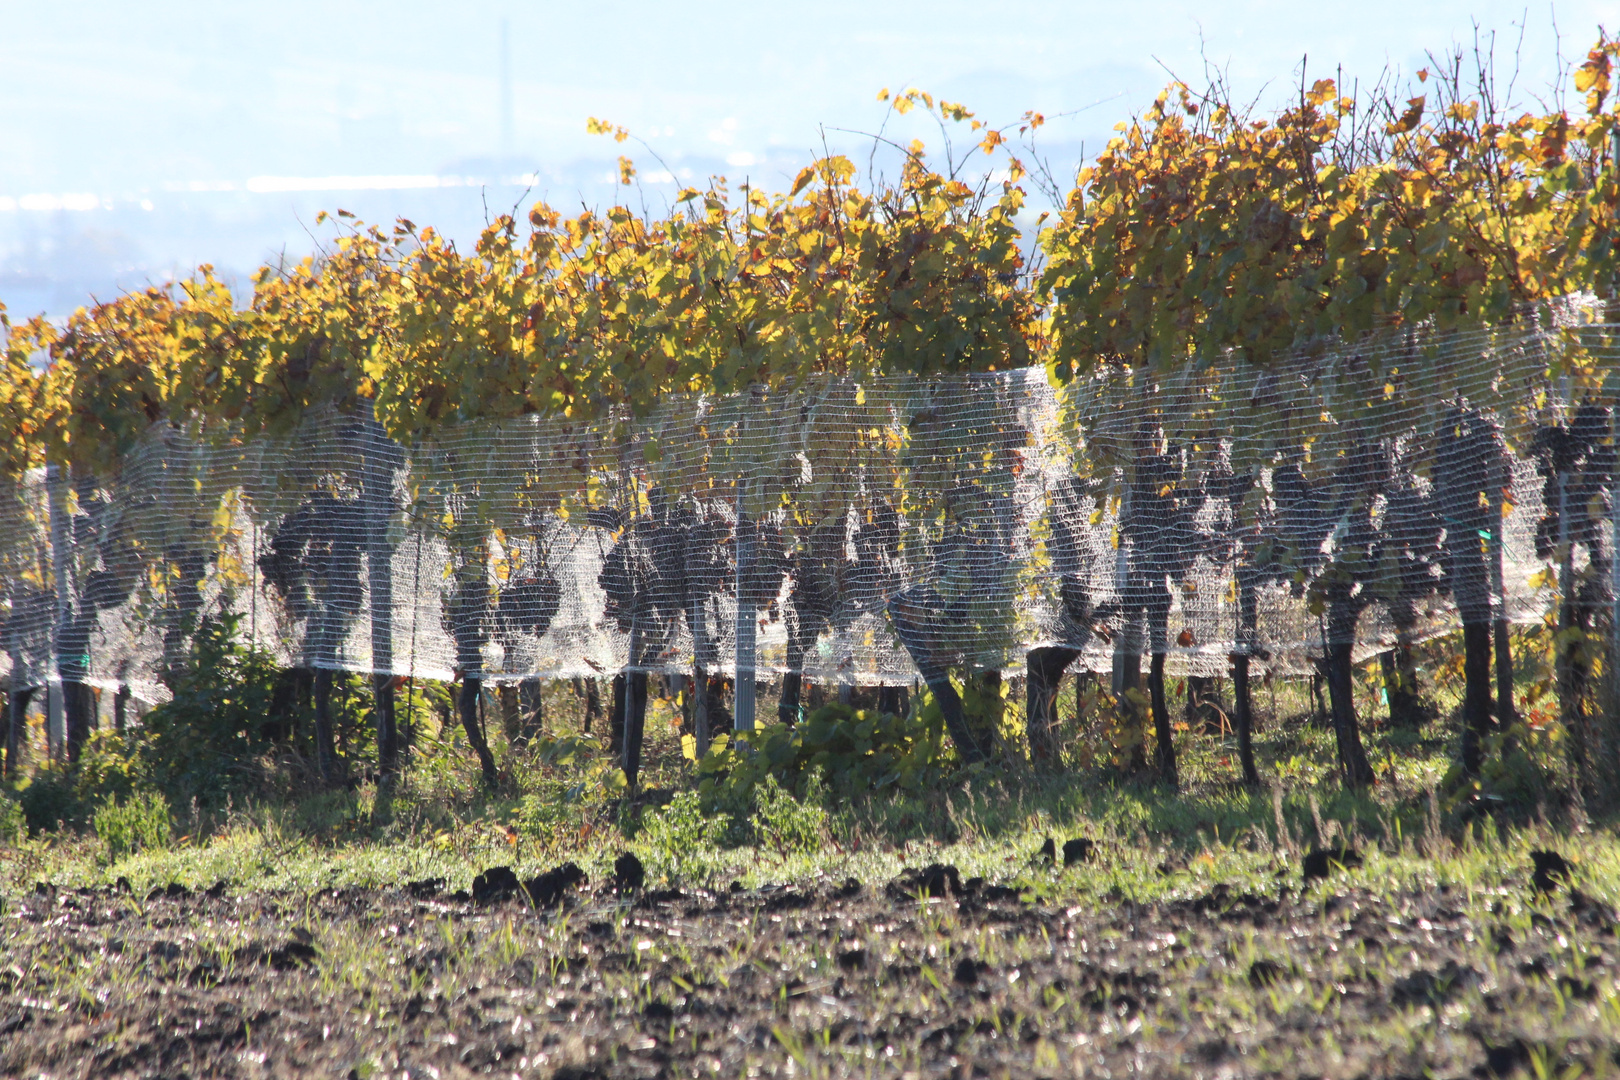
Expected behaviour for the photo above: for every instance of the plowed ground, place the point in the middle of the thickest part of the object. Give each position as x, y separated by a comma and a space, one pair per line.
833, 979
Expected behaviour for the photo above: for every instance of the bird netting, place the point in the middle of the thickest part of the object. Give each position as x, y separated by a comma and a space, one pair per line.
873, 529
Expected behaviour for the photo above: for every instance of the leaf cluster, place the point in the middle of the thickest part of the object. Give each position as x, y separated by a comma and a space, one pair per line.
859, 750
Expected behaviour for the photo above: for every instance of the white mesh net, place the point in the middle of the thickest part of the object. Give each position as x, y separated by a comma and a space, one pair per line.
887, 526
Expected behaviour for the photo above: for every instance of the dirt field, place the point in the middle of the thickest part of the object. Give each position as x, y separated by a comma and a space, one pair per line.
837, 978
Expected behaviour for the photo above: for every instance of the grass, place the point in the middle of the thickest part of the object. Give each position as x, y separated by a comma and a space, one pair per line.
1143, 959
561, 801
1123, 963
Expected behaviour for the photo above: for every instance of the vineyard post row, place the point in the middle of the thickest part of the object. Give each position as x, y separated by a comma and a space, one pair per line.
1199, 236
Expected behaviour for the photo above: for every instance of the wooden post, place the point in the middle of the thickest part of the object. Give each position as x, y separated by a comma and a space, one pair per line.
743, 705
1504, 651
746, 628
381, 457
1614, 560
61, 537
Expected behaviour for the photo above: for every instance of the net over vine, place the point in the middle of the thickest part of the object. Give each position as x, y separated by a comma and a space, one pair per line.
864, 532
1275, 393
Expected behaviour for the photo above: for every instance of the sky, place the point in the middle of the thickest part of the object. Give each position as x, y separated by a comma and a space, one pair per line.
137, 141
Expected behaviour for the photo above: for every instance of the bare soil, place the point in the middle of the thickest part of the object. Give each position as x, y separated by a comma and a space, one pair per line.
835, 978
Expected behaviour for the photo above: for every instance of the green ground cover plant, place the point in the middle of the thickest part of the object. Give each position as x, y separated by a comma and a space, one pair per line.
789, 923
141, 822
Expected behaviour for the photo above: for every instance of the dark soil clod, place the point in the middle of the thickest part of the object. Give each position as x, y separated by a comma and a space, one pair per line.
579, 1072
628, 873
787, 900
291, 956
425, 889
663, 896
205, 974
1505, 1060
1591, 913
834, 973
1550, 872
992, 893
1578, 989
1320, 863
1264, 973
933, 880
550, 888
172, 891
849, 890
217, 889
1078, 850
1537, 968
1433, 987
968, 971
494, 885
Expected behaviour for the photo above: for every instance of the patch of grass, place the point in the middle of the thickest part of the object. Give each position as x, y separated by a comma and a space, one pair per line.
1416, 963
141, 822
562, 798
1145, 951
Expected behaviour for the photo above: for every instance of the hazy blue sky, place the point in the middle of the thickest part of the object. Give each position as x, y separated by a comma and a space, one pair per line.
175, 130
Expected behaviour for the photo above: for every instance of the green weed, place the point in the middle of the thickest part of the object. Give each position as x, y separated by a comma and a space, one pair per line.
142, 822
